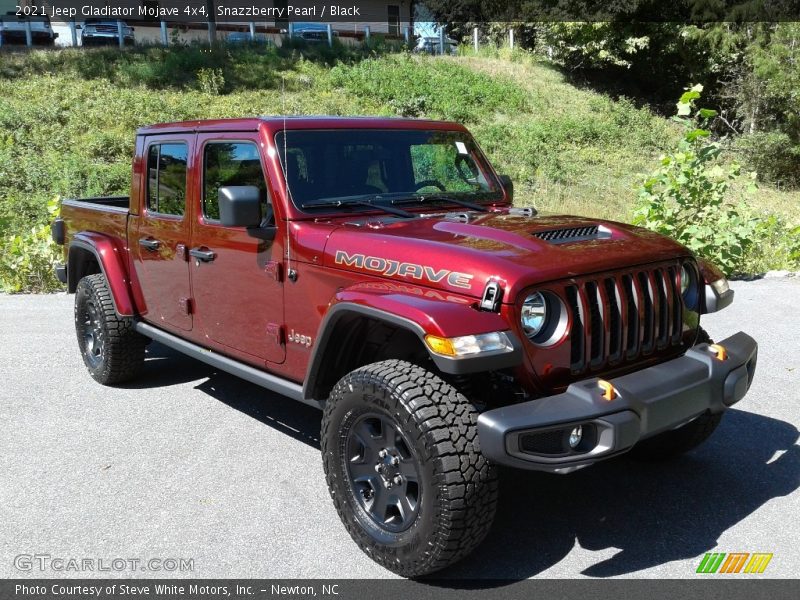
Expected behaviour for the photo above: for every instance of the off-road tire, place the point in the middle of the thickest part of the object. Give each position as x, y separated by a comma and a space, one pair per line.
672, 444
110, 347
458, 485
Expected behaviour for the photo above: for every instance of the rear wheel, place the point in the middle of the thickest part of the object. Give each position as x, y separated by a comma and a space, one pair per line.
111, 349
671, 444
404, 468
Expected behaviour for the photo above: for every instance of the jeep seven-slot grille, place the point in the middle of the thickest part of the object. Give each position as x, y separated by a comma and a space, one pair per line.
622, 317
571, 234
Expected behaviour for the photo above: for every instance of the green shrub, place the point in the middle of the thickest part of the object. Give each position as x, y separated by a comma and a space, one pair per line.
28, 259
686, 197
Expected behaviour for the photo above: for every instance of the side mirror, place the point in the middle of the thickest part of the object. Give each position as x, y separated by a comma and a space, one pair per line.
508, 186
240, 206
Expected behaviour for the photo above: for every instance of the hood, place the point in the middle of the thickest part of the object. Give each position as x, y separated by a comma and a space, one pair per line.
460, 252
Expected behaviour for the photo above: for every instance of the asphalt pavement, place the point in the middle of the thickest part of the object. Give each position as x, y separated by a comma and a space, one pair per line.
190, 463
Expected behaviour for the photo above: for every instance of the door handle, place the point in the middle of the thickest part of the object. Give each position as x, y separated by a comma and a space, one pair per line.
150, 244
204, 255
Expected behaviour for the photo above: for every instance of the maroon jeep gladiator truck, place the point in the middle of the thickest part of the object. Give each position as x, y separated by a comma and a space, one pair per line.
376, 269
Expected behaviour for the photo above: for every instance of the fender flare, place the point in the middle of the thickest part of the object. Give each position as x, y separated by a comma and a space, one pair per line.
420, 317
111, 264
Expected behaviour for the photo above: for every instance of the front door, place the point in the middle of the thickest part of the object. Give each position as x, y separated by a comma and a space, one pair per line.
235, 274
161, 236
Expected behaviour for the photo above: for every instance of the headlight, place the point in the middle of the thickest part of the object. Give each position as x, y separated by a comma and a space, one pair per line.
686, 279
470, 345
690, 290
534, 314
544, 318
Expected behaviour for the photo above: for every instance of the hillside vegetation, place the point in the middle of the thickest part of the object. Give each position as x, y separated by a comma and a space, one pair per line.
67, 122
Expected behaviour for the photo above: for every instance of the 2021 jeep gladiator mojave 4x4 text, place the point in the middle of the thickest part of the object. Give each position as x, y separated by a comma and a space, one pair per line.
376, 269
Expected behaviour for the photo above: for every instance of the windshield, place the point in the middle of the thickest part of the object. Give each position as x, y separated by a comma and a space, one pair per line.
325, 168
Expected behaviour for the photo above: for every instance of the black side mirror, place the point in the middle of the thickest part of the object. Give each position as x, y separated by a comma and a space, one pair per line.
240, 206
508, 186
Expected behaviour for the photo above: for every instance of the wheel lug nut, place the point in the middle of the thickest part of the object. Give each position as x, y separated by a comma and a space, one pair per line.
378, 468
397, 480
395, 461
382, 453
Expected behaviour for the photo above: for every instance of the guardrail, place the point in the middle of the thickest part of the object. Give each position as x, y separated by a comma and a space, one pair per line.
248, 32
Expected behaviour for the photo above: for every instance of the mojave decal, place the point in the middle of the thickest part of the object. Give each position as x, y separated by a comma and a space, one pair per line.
394, 268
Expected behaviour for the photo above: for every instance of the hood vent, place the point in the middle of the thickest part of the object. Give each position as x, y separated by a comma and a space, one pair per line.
573, 234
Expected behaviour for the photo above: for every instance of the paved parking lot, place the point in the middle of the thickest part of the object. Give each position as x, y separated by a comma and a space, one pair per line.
192, 463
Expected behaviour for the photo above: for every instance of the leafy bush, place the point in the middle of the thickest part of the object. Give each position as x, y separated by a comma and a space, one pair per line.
686, 197
28, 259
210, 81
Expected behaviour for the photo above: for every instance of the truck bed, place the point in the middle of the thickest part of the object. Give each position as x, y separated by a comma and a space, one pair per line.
107, 215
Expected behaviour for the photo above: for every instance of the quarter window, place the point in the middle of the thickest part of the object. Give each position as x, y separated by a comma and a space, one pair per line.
230, 163
166, 178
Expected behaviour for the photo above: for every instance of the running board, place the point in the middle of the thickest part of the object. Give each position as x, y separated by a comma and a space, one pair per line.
229, 365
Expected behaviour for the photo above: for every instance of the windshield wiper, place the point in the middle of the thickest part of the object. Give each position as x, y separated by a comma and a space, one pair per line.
423, 198
367, 201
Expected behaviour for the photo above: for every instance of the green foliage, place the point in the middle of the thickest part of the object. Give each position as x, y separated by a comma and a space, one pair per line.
686, 197
443, 89
68, 120
776, 246
28, 259
773, 154
210, 81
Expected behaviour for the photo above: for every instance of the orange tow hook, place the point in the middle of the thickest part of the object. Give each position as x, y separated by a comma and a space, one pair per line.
609, 391
718, 351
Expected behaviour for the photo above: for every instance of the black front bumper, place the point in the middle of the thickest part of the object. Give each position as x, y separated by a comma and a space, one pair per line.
648, 402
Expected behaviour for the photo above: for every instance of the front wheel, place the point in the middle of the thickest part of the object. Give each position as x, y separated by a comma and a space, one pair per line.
404, 468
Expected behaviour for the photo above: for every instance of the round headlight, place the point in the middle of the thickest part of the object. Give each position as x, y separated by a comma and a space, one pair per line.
686, 279
534, 314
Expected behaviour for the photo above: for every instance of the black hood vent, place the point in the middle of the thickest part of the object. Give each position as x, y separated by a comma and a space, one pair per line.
573, 234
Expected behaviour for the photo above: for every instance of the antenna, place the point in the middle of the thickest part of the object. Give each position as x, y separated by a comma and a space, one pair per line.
292, 273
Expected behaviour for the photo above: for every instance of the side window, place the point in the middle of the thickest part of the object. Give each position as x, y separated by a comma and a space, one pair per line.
166, 178
230, 163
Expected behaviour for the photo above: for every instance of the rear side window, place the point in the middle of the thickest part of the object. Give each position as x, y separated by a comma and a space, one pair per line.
230, 163
166, 178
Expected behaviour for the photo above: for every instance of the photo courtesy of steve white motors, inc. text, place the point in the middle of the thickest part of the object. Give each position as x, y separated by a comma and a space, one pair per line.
99, 590
187, 9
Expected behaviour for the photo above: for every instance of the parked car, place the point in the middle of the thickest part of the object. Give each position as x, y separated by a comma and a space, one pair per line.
13, 29
376, 269
102, 32
311, 32
243, 37
432, 45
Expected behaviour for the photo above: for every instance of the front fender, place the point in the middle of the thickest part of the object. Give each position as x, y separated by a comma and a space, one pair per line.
111, 260
421, 316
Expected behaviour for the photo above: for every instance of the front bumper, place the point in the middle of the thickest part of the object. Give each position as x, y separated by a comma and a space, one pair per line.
529, 435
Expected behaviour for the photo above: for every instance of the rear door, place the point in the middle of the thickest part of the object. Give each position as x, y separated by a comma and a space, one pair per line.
237, 287
160, 242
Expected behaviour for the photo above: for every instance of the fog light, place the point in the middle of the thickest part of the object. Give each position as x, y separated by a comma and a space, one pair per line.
575, 437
